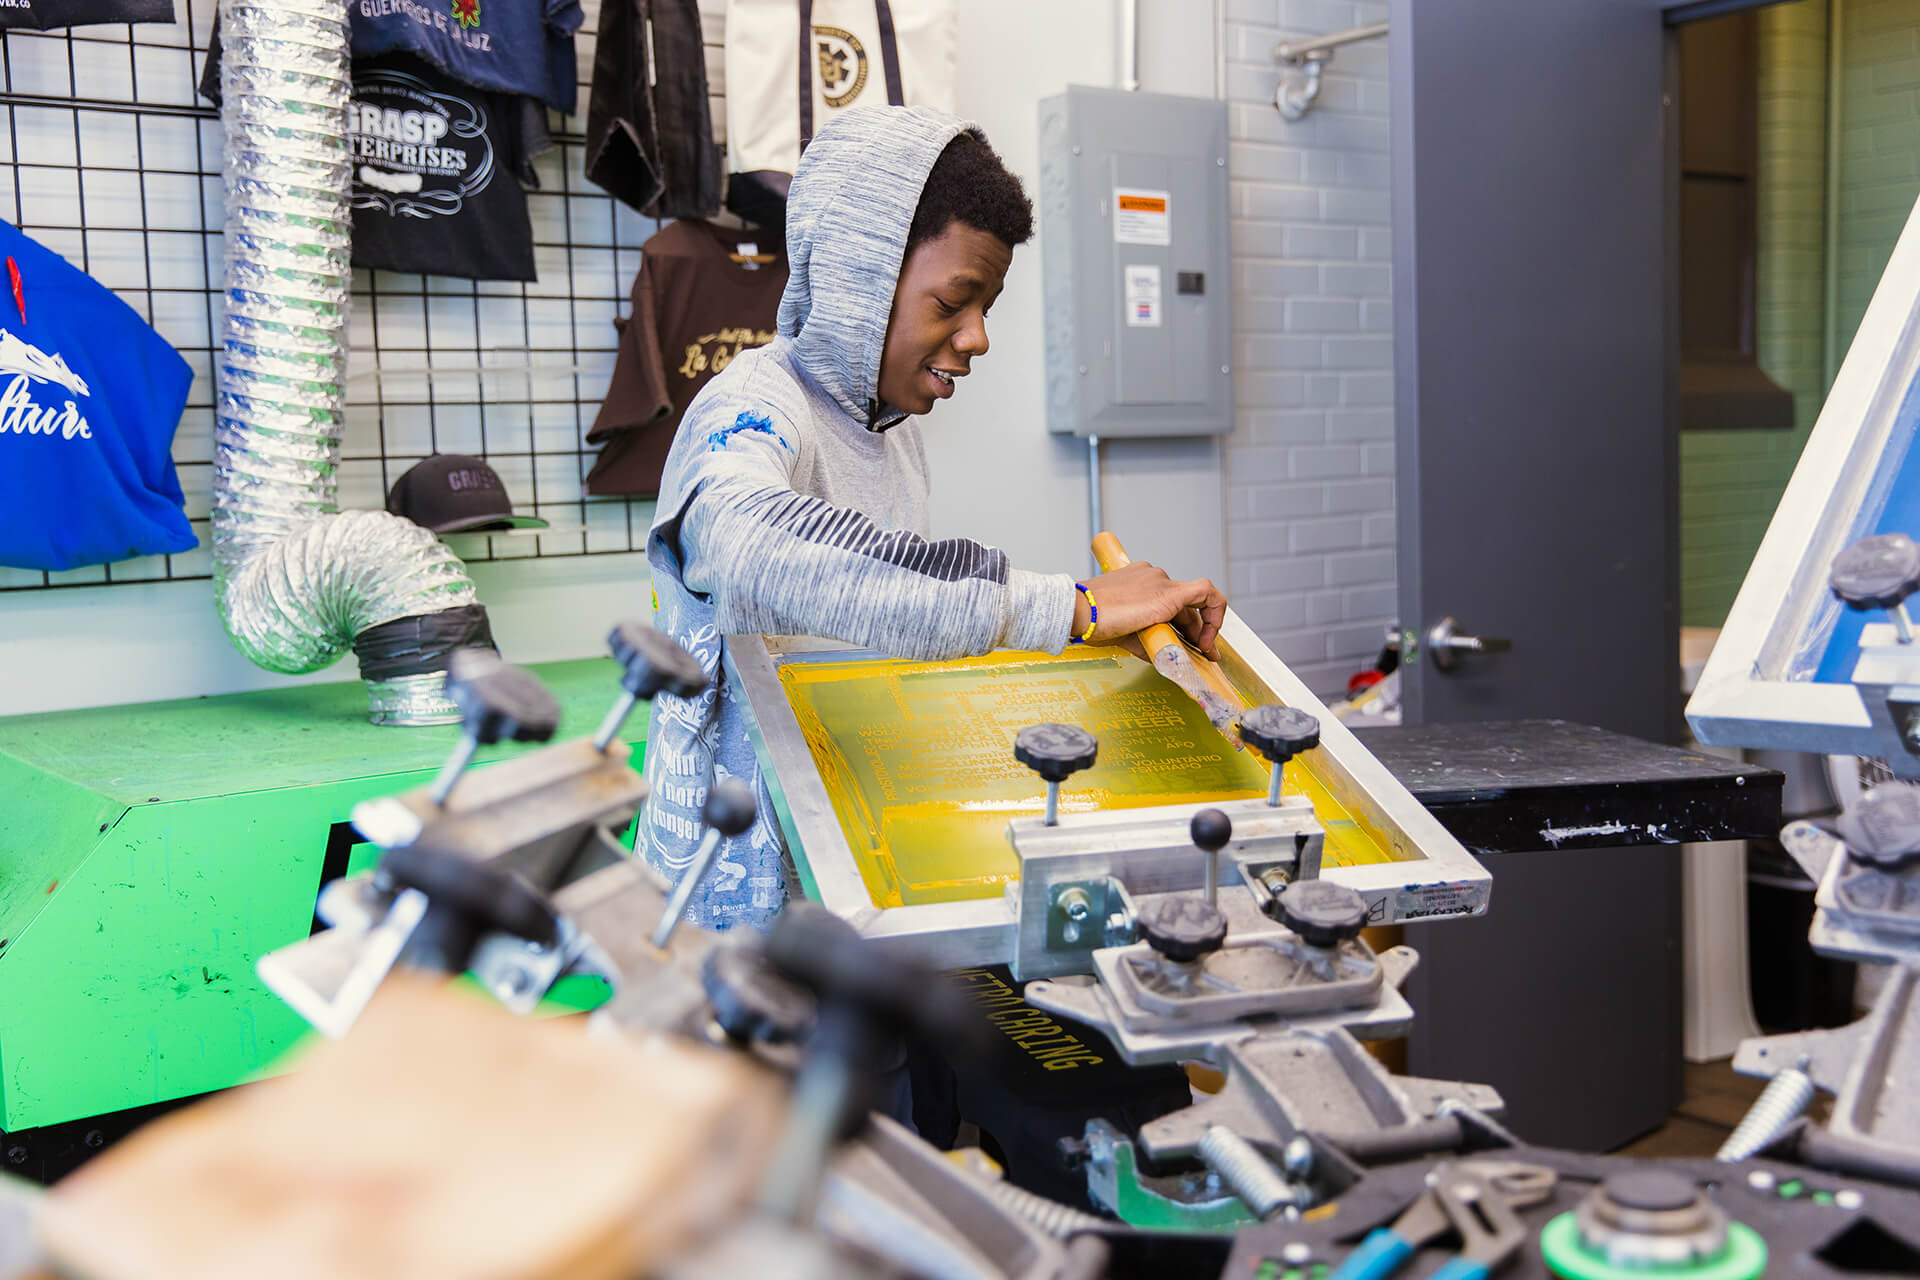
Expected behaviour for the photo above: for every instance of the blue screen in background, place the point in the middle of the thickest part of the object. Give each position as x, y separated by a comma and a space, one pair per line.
1901, 516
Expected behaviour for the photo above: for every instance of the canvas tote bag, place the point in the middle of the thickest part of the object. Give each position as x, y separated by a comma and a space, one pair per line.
791, 64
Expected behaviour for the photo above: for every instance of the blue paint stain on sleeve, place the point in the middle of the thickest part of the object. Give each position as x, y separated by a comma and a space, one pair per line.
747, 421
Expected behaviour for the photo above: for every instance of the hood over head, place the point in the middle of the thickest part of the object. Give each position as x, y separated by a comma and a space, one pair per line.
848, 214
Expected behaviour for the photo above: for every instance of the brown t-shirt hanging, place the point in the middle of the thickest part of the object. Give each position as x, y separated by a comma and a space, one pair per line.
694, 309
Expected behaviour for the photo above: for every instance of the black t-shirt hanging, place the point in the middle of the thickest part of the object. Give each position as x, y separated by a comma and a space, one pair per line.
433, 175
44, 15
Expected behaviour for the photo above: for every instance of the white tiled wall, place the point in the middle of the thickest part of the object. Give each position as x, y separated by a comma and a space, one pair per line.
1309, 467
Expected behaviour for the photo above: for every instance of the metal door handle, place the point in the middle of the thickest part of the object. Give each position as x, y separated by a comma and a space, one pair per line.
1445, 644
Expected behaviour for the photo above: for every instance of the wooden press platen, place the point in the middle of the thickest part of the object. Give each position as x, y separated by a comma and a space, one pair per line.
894, 781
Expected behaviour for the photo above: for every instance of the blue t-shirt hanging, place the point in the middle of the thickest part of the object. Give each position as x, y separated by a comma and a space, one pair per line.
90, 396
508, 46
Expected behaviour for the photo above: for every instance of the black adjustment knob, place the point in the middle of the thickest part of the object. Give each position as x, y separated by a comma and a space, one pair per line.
1650, 1191
1883, 829
820, 951
1279, 733
653, 661
751, 1000
499, 702
1323, 913
489, 896
868, 998
1211, 830
465, 899
1055, 751
1878, 572
1182, 927
729, 808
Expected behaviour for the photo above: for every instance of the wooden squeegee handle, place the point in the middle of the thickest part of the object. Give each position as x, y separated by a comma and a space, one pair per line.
1110, 555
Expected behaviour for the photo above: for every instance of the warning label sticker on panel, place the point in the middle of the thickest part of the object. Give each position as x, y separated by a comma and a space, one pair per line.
1421, 902
1143, 297
1142, 217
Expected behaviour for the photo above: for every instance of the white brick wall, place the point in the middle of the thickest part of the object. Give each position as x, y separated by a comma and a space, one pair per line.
1309, 467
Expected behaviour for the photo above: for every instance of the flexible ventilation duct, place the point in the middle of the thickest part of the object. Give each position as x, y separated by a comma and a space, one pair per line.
297, 581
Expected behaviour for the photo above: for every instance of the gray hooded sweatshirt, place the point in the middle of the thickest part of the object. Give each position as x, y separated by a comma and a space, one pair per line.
795, 503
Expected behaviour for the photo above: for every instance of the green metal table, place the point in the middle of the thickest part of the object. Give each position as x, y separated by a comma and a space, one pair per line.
151, 853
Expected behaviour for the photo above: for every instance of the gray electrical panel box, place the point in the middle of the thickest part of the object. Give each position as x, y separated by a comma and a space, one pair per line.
1133, 226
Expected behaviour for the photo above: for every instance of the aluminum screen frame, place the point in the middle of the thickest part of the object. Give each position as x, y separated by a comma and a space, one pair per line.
1756, 689
1437, 878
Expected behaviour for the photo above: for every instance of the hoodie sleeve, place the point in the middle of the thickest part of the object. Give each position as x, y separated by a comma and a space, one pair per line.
776, 561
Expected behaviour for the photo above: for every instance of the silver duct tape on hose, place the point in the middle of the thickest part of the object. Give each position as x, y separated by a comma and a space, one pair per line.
335, 576
411, 700
296, 580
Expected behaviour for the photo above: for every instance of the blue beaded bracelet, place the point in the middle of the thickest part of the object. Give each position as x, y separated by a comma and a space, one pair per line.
1093, 615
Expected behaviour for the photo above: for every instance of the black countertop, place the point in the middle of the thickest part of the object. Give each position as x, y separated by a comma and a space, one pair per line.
1514, 786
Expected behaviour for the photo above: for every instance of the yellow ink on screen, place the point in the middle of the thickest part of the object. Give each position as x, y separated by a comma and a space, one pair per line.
917, 758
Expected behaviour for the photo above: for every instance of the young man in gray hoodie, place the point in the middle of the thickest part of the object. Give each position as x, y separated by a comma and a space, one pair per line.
794, 500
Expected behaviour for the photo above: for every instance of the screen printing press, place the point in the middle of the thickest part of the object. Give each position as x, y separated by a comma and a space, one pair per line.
908, 814
1170, 899
1172, 910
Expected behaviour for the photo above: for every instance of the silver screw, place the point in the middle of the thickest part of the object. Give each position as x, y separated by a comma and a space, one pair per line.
616, 717
790, 1187
696, 871
1778, 1106
1760, 1180
1297, 1157
1119, 929
1297, 1254
1076, 906
1848, 1199
450, 771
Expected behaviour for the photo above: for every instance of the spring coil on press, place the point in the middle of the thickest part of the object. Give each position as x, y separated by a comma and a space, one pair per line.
1056, 1219
1239, 1163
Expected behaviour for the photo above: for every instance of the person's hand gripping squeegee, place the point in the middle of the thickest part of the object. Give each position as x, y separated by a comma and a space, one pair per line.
1159, 642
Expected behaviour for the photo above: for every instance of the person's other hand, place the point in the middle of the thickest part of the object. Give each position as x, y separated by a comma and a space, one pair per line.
1140, 595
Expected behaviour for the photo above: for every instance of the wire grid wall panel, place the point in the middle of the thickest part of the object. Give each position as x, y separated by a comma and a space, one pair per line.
110, 158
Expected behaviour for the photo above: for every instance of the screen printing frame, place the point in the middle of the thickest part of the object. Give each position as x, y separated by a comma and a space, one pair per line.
1757, 689
1438, 877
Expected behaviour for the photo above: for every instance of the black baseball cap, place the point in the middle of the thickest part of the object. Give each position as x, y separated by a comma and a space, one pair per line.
456, 493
